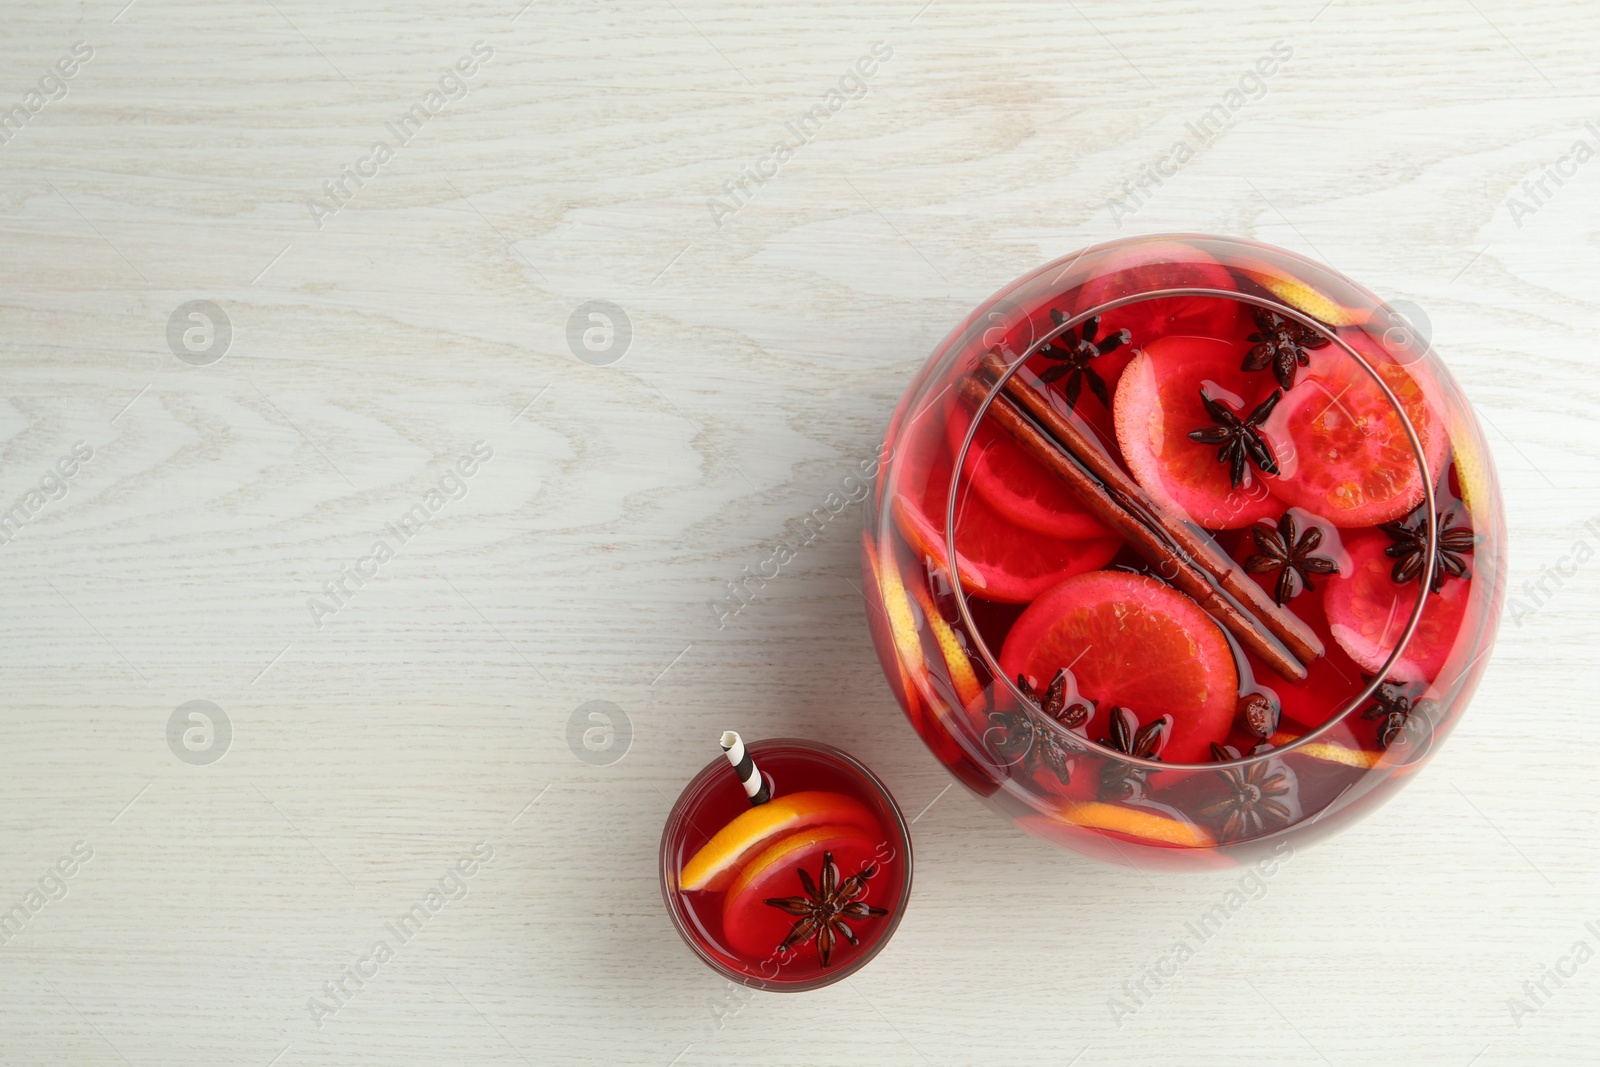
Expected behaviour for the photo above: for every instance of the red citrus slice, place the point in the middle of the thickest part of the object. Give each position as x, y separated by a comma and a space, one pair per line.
1017, 486
1349, 459
1368, 610
1002, 562
998, 560
1331, 679
754, 928
1158, 404
1163, 265
1132, 642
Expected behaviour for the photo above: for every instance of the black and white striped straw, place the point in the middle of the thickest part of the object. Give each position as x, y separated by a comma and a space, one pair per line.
755, 787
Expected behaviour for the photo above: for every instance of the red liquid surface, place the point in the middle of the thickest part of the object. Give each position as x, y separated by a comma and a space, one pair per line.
876, 841
1085, 601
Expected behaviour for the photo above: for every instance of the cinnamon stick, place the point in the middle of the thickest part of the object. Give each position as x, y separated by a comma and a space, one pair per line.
1299, 638
1185, 576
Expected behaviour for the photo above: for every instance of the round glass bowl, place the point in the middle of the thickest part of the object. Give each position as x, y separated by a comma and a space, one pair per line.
825, 806
1183, 547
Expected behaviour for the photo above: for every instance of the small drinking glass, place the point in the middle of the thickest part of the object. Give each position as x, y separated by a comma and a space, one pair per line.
798, 892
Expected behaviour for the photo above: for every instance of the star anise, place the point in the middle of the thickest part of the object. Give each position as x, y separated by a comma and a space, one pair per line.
1239, 439
823, 911
1290, 558
1411, 545
1403, 718
1281, 343
1123, 781
1072, 355
1028, 743
1250, 804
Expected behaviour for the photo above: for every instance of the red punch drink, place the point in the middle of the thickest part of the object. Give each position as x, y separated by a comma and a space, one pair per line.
1183, 547
794, 893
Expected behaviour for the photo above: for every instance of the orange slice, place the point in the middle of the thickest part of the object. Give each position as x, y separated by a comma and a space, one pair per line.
1351, 461
1331, 752
902, 620
1350, 757
962, 676
1472, 472
719, 860
1147, 825
1300, 296
998, 559
1158, 403
753, 927
1129, 639
887, 635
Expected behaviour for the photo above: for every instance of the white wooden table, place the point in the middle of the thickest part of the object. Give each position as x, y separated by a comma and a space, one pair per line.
421, 711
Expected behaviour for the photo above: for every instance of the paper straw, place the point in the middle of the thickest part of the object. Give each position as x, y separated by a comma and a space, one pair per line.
755, 787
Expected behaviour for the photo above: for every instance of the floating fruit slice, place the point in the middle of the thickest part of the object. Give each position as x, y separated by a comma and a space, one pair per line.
1350, 757
1158, 404
1132, 642
1330, 678
893, 622
754, 928
1349, 458
1330, 752
957, 663
1017, 485
900, 651
929, 710
1299, 295
718, 861
1474, 475
1162, 265
998, 560
939, 724
1368, 610
1137, 825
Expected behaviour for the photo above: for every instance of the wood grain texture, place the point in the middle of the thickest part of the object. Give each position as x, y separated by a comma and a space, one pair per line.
431, 712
